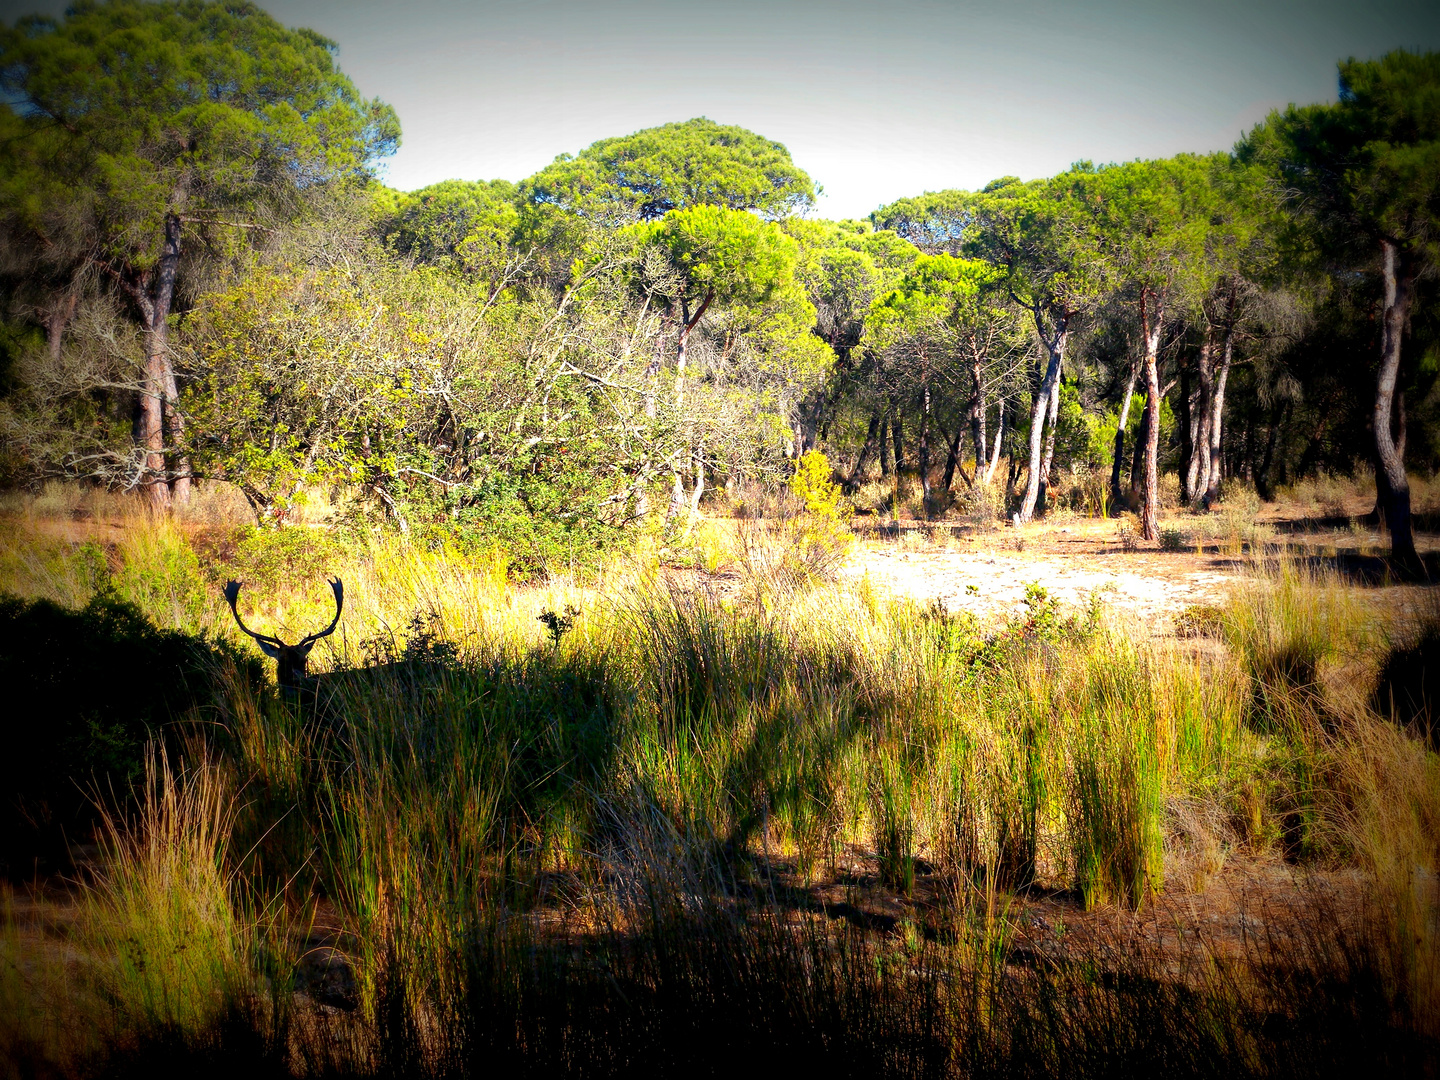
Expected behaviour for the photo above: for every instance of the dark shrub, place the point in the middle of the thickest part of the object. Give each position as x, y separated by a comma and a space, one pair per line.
84, 690
1408, 685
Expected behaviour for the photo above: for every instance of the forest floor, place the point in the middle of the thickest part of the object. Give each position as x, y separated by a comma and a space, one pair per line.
987, 572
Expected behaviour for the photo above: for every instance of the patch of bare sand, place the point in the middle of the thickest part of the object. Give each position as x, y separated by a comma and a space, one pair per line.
992, 584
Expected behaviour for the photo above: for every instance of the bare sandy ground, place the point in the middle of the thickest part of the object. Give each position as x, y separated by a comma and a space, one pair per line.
987, 573
992, 584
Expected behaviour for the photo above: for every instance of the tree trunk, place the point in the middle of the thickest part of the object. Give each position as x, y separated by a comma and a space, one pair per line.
1398, 283
1217, 416
1189, 422
866, 451
897, 433
1150, 492
1056, 350
696, 491
977, 412
999, 438
157, 409
150, 409
677, 496
57, 320
1199, 473
886, 461
164, 299
952, 460
1137, 452
924, 446
1041, 501
1116, 495
1262, 475
687, 324
642, 495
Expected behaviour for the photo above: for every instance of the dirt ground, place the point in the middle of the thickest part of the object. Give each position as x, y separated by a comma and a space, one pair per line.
1072, 563
988, 572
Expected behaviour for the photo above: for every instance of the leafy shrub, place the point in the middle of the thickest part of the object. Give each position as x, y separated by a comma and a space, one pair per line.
982, 504
813, 485
538, 523
86, 689
1172, 539
269, 559
1126, 534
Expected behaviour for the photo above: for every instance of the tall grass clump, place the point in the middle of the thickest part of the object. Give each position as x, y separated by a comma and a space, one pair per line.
1282, 626
1407, 689
160, 916
1384, 813
1115, 821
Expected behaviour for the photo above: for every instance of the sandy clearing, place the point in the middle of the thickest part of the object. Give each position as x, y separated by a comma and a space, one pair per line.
992, 585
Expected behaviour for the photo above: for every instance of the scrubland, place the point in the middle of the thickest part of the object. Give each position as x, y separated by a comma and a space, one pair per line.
706, 808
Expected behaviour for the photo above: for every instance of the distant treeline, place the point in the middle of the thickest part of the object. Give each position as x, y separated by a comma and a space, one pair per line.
201, 278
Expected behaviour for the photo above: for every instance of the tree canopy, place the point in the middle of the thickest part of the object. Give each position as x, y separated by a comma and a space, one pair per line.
133, 125
202, 277
675, 167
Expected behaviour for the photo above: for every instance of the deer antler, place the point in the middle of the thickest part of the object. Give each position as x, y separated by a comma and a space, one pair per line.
270, 646
338, 588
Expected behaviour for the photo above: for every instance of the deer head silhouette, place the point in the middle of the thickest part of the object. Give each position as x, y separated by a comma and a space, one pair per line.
289, 660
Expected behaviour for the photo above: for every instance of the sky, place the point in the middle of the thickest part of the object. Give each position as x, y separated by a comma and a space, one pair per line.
875, 99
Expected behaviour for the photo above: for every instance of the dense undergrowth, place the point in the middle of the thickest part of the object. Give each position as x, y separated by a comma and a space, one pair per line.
579, 843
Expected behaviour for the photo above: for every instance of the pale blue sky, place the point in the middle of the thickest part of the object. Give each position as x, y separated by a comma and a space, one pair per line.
874, 99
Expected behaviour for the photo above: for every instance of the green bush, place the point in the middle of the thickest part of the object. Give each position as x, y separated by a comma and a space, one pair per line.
813, 484
270, 559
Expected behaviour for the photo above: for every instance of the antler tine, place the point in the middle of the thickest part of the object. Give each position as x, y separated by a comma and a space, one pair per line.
232, 594
338, 588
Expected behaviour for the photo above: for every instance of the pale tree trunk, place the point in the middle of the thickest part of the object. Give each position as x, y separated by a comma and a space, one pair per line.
1199, 480
677, 496
977, 407
1216, 419
642, 496
150, 428
1150, 493
687, 325
57, 320
999, 438
1189, 469
698, 466
157, 406
1055, 348
1041, 499
1399, 280
924, 445
1116, 495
